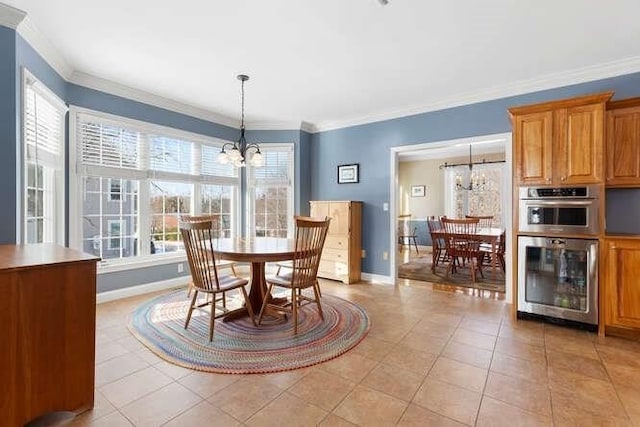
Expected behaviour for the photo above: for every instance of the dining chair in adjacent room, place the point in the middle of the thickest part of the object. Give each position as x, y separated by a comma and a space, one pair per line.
310, 235
406, 235
463, 242
438, 246
220, 263
500, 251
198, 240
484, 221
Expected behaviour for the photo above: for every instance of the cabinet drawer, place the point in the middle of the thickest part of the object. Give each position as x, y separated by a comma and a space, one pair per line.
337, 242
332, 269
341, 255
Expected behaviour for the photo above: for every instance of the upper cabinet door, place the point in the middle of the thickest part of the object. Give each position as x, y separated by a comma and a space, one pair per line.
533, 135
623, 147
579, 145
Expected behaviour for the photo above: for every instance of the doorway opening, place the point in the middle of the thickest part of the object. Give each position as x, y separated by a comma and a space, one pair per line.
439, 179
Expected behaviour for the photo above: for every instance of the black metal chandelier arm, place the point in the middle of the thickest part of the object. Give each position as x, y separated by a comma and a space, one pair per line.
224, 146
483, 162
253, 145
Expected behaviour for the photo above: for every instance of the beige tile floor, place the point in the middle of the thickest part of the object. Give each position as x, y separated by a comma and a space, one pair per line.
432, 358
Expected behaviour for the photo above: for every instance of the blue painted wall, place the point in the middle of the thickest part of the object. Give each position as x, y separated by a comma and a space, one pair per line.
8, 134
369, 146
303, 177
100, 101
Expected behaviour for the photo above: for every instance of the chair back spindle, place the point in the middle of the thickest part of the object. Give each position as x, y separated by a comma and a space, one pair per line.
484, 221
198, 239
309, 241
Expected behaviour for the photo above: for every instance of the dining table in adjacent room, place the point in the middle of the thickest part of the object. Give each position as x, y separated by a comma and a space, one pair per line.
257, 251
490, 236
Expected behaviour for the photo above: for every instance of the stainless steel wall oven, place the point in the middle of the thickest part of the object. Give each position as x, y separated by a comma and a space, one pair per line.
559, 211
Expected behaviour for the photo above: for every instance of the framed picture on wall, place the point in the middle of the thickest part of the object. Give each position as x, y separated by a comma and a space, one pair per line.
348, 174
418, 191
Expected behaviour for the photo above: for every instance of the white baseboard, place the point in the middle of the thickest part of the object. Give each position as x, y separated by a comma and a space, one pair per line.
103, 297
377, 278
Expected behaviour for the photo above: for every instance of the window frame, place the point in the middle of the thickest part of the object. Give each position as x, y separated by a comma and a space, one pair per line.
144, 258
251, 188
119, 193
58, 211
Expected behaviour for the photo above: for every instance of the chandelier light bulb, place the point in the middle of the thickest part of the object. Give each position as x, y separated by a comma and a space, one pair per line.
223, 158
257, 159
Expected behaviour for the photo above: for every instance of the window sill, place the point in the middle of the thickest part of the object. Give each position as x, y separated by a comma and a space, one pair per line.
106, 267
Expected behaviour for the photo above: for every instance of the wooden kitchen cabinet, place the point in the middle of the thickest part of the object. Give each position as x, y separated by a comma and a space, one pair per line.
560, 142
533, 141
341, 256
623, 143
621, 283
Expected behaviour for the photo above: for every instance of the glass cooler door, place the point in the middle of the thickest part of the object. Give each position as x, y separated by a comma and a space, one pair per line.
557, 277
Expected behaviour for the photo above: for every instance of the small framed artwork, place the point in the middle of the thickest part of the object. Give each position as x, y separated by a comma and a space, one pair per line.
348, 174
417, 191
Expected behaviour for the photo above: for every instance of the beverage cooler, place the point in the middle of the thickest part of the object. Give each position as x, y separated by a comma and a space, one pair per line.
558, 278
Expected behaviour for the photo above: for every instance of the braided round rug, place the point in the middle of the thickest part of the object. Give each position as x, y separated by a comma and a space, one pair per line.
239, 347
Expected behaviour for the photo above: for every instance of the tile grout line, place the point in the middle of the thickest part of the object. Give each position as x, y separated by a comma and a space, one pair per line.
626, 412
427, 376
484, 388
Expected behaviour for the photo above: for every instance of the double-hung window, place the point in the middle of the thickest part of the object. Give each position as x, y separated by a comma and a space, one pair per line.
270, 192
43, 164
134, 180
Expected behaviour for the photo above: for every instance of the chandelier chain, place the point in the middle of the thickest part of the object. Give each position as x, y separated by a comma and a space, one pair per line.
242, 105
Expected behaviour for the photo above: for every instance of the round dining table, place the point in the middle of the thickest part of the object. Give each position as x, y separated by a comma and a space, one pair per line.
257, 251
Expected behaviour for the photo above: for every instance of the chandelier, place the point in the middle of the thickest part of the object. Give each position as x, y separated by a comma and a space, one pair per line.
238, 151
476, 182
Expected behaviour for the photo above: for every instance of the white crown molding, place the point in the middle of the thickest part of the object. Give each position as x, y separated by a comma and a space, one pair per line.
307, 127
108, 86
41, 44
273, 125
550, 81
10, 16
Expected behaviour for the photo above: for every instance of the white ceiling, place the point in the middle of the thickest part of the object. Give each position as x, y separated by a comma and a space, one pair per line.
337, 62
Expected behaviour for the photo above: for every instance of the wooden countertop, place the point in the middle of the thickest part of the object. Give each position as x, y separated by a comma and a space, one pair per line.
623, 236
14, 257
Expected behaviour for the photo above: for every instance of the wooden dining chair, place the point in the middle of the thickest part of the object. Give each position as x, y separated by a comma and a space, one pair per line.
500, 251
406, 237
437, 243
462, 242
484, 221
309, 241
220, 263
198, 240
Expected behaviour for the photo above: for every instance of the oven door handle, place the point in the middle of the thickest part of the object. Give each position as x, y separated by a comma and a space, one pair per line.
559, 204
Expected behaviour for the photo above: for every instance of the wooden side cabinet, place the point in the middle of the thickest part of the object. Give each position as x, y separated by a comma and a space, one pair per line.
623, 143
622, 283
341, 256
47, 331
560, 142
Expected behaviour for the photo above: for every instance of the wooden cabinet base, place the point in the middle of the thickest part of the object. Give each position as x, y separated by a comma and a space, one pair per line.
47, 330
